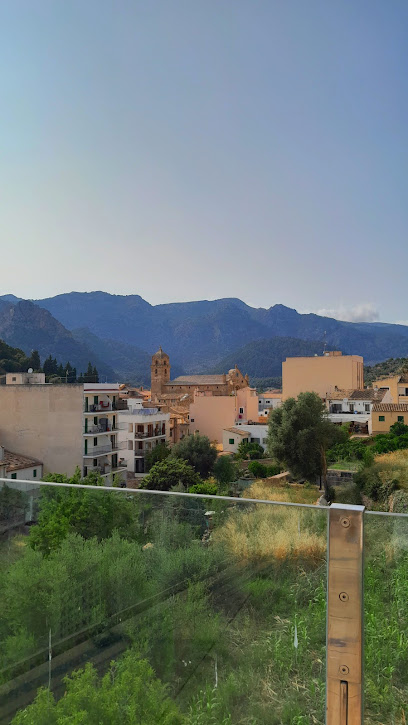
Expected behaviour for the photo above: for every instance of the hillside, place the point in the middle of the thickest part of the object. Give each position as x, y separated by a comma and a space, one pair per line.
12, 359
199, 335
388, 367
263, 358
26, 326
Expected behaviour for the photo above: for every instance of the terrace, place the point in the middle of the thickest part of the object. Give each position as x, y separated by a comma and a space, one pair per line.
248, 611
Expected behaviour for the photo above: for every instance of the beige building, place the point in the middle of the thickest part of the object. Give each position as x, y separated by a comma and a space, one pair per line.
15, 466
25, 378
396, 385
321, 374
64, 426
384, 415
210, 414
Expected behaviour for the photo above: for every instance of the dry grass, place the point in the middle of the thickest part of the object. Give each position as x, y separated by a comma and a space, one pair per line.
392, 466
274, 532
292, 492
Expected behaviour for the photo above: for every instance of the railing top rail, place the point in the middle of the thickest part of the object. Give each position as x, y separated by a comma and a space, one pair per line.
167, 493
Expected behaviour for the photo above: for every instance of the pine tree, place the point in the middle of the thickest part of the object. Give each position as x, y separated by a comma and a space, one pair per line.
89, 374
95, 375
34, 361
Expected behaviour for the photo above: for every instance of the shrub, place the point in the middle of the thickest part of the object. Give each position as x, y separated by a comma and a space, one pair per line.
258, 469
206, 488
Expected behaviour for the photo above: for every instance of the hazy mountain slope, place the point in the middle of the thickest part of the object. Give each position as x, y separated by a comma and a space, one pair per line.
263, 358
27, 326
131, 364
199, 334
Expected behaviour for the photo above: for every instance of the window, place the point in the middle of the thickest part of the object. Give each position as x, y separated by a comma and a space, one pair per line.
241, 410
95, 441
260, 402
381, 418
268, 402
14, 476
367, 407
351, 407
192, 420
231, 441
35, 473
13, 380
245, 440
95, 461
400, 419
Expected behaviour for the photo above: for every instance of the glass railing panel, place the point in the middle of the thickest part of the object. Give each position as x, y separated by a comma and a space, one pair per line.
385, 618
216, 607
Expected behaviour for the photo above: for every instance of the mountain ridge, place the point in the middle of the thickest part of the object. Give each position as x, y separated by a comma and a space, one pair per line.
198, 334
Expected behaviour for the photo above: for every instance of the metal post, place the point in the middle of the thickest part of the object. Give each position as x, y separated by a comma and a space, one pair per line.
344, 677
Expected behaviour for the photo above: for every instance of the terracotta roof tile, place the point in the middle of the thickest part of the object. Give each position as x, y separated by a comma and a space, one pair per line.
390, 408
15, 462
238, 431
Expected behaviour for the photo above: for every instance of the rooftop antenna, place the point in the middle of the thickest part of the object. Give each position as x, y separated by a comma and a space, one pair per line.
324, 342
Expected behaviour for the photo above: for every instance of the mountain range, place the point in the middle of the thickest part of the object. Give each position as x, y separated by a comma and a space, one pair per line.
121, 332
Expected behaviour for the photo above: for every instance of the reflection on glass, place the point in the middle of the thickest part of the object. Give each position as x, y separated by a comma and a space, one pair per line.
211, 611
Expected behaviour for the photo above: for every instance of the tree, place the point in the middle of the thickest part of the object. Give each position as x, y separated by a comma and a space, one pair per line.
158, 453
300, 434
170, 473
74, 510
34, 361
250, 450
198, 452
128, 693
225, 470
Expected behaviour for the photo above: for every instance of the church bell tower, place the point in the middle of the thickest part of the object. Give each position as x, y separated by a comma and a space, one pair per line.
160, 373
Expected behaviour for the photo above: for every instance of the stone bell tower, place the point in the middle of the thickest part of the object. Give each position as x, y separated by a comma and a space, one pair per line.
160, 373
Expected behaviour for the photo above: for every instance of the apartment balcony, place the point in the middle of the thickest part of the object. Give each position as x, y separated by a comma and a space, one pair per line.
154, 434
93, 430
105, 407
223, 610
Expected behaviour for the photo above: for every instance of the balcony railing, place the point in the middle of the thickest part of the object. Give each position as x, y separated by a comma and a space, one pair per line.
94, 429
214, 609
98, 450
152, 434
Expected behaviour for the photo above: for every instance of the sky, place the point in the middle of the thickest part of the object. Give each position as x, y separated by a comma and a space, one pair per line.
197, 149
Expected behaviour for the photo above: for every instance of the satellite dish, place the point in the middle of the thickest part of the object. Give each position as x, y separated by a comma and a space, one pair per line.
30, 370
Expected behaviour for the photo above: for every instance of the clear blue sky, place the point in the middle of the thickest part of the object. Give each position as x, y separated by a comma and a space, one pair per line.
189, 149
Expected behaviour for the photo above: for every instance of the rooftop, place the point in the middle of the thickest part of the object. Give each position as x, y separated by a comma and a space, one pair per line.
238, 431
390, 408
198, 380
366, 394
15, 461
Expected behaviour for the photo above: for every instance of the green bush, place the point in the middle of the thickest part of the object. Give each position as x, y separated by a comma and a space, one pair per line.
206, 488
258, 469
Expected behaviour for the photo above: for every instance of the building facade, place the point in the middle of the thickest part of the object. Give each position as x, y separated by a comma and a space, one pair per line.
140, 430
322, 374
384, 415
210, 414
269, 400
64, 426
396, 385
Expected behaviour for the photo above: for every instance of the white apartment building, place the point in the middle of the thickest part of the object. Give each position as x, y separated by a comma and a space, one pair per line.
140, 430
248, 433
102, 452
355, 406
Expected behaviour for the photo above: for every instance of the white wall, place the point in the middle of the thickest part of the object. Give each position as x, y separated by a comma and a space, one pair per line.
27, 474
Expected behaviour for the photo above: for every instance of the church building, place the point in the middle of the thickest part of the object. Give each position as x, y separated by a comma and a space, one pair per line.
181, 389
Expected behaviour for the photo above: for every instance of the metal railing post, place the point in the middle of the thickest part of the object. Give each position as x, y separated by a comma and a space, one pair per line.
344, 676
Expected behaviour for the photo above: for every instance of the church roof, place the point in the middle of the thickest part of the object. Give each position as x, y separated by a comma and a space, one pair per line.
198, 380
